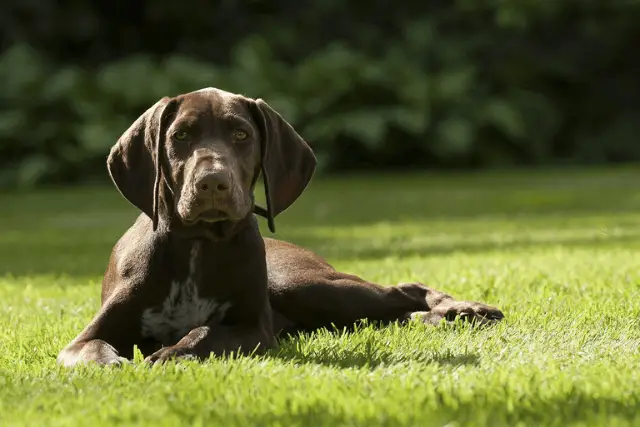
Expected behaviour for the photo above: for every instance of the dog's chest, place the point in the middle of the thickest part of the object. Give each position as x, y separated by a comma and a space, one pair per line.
183, 309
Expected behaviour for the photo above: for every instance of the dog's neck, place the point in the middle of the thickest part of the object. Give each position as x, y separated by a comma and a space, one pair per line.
203, 256
221, 231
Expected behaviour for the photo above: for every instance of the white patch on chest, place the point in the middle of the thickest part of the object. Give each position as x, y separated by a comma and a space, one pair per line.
183, 309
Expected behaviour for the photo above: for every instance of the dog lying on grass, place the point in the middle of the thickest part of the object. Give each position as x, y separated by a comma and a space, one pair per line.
193, 276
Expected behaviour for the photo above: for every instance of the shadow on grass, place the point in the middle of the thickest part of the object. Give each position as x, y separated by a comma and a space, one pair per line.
365, 345
88, 259
71, 231
352, 249
380, 357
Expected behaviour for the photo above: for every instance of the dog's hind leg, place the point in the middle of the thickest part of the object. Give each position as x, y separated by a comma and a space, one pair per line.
307, 293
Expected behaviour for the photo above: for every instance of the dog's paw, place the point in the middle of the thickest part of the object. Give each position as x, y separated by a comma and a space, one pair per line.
169, 353
92, 352
449, 310
117, 361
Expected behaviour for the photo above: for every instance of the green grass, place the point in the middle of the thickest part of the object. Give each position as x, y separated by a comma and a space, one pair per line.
559, 252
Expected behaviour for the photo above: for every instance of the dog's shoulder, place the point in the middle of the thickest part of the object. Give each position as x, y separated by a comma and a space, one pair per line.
135, 253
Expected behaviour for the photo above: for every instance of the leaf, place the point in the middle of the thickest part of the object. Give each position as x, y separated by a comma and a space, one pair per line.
286, 107
33, 168
455, 135
133, 79
329, 73
505, 116
97, 136
252, 53
62, 85
366, 126
541, 119
508, 16
20, 69
419, 35
411, 120
455, 84
12, 122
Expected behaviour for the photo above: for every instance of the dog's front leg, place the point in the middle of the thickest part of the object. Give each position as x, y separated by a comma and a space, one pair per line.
107, 338
215, 339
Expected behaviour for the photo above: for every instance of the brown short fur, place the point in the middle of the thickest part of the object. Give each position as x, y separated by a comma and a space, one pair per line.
193, 276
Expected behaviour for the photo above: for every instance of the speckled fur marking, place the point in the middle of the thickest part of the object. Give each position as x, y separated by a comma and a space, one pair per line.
183, 309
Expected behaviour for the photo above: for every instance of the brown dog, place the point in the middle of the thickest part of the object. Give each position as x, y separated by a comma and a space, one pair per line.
193, 277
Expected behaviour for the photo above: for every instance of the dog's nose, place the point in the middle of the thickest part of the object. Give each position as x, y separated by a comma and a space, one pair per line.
212, 184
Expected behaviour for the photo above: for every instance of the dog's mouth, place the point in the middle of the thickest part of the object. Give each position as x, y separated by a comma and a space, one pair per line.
210, 216
210, 224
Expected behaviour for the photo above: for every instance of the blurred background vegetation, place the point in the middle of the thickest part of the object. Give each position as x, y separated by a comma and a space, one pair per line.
370, 84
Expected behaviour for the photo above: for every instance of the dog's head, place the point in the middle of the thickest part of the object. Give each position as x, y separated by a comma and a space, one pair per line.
191, 162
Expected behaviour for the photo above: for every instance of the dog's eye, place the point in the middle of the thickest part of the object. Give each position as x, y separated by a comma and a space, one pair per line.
240, 135
180, 135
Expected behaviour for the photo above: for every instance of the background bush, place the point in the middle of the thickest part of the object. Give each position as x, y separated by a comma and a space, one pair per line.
375, 84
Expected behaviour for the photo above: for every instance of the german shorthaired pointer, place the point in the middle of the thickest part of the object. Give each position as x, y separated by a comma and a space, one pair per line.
193, 276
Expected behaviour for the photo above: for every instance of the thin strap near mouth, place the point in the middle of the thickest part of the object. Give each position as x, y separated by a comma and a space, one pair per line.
258, 210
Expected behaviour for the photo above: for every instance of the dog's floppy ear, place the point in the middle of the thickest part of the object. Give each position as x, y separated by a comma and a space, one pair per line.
288, 162
135, 162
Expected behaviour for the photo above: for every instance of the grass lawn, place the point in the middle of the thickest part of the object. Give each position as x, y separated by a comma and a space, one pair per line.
559, 252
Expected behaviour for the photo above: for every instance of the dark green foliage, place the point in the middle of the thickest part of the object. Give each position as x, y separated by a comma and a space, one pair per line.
381, 84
